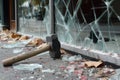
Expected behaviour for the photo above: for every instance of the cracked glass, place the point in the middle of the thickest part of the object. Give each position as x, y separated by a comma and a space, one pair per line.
92, 24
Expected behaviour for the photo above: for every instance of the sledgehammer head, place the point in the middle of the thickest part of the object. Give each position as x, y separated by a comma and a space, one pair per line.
55, 46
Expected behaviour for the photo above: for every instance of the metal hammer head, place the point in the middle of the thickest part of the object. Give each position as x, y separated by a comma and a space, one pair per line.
55, 46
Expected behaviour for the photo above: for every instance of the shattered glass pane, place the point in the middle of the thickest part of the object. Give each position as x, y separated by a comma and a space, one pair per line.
29, 67
33, 17
92, 24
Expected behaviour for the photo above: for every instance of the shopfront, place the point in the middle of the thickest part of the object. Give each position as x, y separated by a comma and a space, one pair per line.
82, 26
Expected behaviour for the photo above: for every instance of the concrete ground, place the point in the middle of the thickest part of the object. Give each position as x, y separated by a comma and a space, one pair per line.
9, 73
42, 67
51, 69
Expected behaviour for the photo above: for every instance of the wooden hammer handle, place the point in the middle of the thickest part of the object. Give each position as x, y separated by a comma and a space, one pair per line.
20, 57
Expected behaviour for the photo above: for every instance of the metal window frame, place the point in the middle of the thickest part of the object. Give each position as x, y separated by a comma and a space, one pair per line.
1, 21
52, 16
16, 15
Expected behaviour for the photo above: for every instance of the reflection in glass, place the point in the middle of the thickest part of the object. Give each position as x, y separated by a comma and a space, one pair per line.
33, 17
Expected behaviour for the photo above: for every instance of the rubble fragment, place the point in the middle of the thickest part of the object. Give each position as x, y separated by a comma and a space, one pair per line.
70, 69
3, 38
93, 63
14, 45
17, 50
35, 42
71, 58
115, 76
40, 78
13, 35
104, 72
63, 51
29, 67
24, 38
27, 78
83, 77
78, 72
48, 71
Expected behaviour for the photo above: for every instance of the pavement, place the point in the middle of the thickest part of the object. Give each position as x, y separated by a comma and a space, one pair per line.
43, 67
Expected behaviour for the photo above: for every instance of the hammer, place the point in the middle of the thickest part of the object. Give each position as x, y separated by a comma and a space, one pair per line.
52, 45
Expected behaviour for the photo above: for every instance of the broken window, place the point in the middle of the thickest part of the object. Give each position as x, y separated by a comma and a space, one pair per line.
92, 24
88, 23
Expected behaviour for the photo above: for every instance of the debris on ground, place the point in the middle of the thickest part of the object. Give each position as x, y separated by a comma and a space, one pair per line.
72, 58
19, 50
13, 35
115, 76
14, 45
29, 67
27, 78
18, 41
24, 37
35, 42
85, 69
13, 38
63, 51
93, 63
48, 71
71, 67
